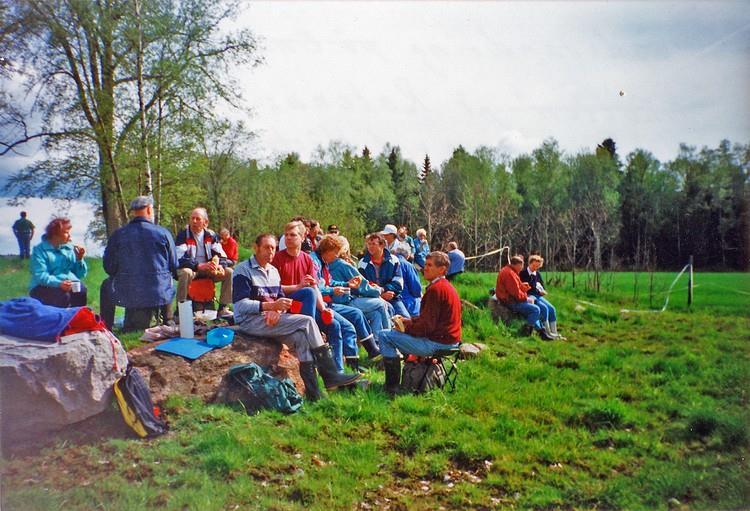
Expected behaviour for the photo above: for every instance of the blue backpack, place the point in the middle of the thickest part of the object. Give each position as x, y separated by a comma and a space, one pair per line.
254, 389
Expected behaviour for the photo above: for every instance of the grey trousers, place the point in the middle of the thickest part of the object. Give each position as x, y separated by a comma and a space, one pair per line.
299, 330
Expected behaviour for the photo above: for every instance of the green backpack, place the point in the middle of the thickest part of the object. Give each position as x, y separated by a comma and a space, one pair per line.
255, 390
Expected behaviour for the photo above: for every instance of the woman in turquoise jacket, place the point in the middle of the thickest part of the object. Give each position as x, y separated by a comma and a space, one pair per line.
57, 268
363, 295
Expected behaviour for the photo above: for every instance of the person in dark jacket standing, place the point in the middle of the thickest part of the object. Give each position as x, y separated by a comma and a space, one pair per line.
141, 262
24, 231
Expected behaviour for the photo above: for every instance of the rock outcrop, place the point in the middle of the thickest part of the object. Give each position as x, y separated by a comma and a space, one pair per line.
174, 375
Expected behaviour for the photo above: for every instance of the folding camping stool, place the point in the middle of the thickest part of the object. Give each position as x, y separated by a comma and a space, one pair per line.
449, 356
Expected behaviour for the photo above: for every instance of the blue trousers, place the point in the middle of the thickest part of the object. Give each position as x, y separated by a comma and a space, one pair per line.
334, 331
376, 310
392, 342
356, 317
399, 307
547, 310
529, 311
24, 244
309, 298
342, 337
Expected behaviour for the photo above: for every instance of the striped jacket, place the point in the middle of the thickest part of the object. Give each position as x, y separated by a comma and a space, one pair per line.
389, 276
187, 249
252, 285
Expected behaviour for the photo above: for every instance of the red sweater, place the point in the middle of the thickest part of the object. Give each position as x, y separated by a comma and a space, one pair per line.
440, 315
293, 269
508, 286
231, 249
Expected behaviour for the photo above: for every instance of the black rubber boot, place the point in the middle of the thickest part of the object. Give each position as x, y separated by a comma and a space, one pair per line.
353, 364
370, 346
392, 375
310, 379
327, 369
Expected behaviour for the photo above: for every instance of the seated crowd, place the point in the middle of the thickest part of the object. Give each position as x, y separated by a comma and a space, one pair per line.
303, 288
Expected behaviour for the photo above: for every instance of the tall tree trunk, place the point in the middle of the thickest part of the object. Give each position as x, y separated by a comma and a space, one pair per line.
157, 213
106, 137
597, 254
147, 183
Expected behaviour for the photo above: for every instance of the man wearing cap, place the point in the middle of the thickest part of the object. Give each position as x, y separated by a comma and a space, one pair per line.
141, 262
390, 233
334, 229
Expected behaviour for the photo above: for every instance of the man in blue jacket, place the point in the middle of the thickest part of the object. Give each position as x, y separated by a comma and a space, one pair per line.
141, 262
383, 269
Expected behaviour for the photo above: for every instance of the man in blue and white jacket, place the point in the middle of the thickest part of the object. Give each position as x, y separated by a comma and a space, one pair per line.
200, 255
383, 269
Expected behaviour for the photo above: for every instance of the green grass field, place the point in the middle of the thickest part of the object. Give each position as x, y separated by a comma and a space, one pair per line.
636, 410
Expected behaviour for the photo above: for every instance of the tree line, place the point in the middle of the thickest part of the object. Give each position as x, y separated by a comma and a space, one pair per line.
584, 210
125, 95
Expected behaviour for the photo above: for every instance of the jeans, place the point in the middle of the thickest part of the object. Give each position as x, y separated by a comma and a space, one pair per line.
547, 310
399, 307
309, 298
393, 341
529, 311
342, 337
357, 318
376, 312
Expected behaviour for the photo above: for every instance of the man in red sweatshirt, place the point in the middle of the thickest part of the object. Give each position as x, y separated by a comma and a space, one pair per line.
511, 292
438, 326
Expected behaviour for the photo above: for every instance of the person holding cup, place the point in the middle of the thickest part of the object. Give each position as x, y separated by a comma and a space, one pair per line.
58, 268
262, 309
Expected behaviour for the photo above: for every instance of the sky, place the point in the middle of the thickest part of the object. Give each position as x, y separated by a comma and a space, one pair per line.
428, 76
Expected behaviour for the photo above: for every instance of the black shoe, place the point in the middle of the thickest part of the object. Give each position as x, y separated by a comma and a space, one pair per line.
310, 379
327, 369
543, 335
526, 330
392, 375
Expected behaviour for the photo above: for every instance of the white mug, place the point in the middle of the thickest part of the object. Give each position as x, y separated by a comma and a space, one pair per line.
75, 286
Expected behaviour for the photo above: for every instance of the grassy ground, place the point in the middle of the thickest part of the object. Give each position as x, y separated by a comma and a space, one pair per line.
634, 411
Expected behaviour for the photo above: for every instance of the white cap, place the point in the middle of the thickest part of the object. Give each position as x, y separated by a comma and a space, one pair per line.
389, 229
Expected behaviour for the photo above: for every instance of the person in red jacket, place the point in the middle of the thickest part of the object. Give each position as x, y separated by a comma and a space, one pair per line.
438, 326
229, 244
511, 292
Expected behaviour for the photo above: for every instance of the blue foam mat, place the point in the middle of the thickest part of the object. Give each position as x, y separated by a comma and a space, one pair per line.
188, 348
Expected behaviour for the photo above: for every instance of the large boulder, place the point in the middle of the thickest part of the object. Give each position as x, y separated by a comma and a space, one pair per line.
174, 375
45, 386
501, 312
